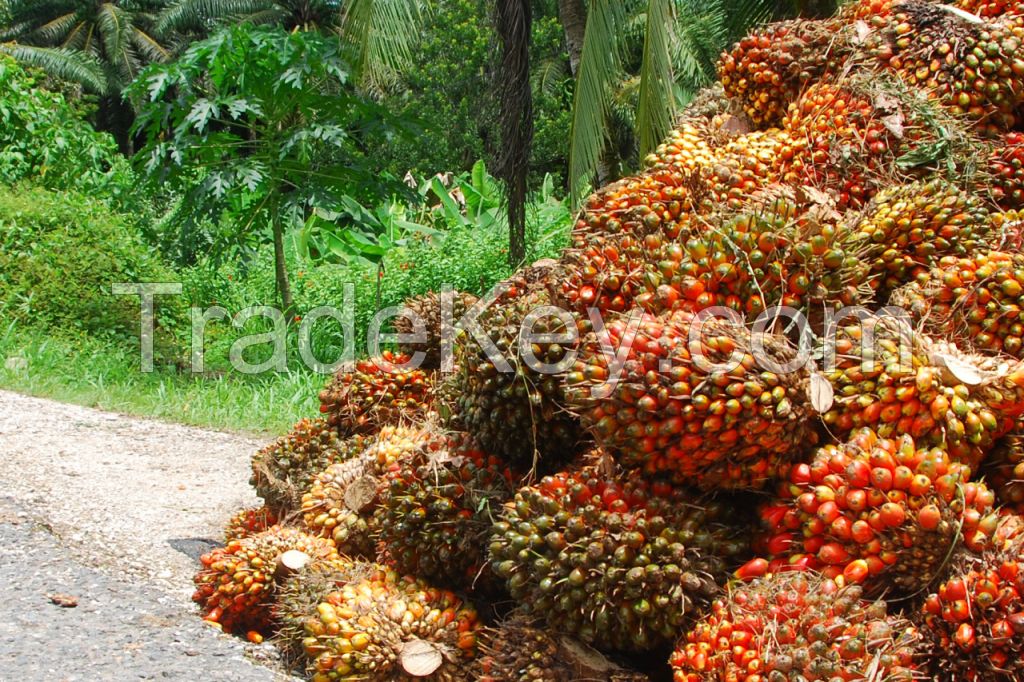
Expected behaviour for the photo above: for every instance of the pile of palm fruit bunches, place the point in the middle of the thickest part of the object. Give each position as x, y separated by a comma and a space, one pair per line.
644, 490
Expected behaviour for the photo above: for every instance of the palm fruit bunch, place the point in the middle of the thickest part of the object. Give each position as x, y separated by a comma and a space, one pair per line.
973, 68
768, 69
342, 502
744, 165
897, 382
429, 309
687, 148
618, 229
875, 511
909, 228
436, 511
780, 250
520, 652
620, 563
974, 301
300, 593
382, 628
1006, 166
236, 584
249, 521
797, 627
973, 624
372, 392
515, 408
702, 410
1004, 471
283, 470
872, 12
842, 139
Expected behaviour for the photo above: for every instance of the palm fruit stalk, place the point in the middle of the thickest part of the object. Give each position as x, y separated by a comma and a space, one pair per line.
372, 392
975, 301
236, 585
518, 651
428, 309
709, 415
797, 627
973, 624
342, 502
910, 228
283, 470
972, 67
436, 512
382, 628
768, 69
879, 512
249, 521
517, 414
895, 381
621, 564
1004, 471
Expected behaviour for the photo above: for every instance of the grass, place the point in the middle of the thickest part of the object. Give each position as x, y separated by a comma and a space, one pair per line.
92, 373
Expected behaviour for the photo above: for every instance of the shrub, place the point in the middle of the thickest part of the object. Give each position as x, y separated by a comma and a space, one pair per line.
59, 254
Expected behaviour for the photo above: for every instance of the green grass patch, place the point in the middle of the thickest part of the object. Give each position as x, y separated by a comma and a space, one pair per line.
89, 372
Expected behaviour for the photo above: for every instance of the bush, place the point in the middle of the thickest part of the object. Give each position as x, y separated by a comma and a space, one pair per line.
44, 139
59, 254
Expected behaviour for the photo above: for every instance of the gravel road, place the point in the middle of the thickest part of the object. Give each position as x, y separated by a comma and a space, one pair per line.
113, 510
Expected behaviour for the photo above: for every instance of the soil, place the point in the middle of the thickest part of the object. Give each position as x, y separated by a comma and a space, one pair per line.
102, 519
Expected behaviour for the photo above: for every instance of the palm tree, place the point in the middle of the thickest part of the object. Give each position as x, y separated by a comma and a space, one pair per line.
102, 45
380, 33
642, 60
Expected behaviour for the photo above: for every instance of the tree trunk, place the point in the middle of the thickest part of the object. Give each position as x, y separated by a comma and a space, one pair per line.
284, 290
573, 16
514, 21
116, 117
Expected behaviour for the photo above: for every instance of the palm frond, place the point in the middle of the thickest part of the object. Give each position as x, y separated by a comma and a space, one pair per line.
187, 15
549, 75
381, 33
742, 15
53, 31
599, 66
701, 33
70, 65
657, 103
148, 46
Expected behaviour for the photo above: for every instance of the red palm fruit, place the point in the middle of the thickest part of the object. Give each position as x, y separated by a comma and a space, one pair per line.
975, 301
896, 381
617, 561
364, 396
887, 537
972, 625
795, 627
236, 585
768, 69
342, 502
436, 512
374, 626
249, 521
1006, 165
991, 9
972, 68
704, 411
